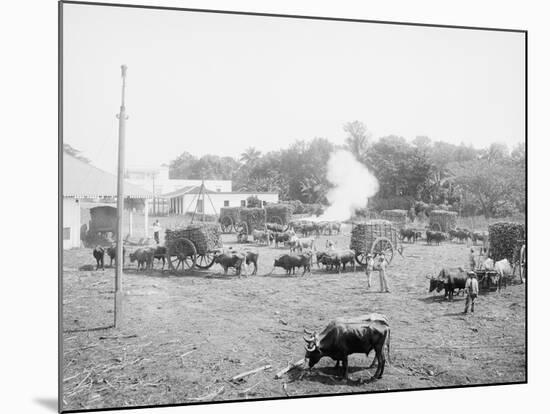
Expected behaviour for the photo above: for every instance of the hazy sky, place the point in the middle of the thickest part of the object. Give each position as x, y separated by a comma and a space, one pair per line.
214, 83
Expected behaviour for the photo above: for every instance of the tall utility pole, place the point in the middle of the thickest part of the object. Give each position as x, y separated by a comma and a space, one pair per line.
122, 117
203, 190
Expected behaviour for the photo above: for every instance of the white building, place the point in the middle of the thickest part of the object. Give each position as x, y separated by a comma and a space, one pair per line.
188, 200
86, 186
179, 196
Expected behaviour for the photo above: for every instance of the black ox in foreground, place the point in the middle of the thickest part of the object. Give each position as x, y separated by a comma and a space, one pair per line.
346, 336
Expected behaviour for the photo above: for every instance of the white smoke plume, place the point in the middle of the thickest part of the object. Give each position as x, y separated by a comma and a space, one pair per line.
353, 185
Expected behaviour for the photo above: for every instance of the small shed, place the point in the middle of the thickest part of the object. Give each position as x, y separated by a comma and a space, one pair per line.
85, 184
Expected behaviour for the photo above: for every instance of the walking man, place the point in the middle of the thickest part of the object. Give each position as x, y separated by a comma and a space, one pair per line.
156, 231
472, 289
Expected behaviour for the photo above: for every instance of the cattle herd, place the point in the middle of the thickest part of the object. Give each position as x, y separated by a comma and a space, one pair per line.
341, 337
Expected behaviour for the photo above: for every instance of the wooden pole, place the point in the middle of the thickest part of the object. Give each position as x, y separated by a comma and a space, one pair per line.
131, 223
120, 201
146, 217
203, 203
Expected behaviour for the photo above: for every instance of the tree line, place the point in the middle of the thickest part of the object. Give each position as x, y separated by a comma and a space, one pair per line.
488, 181
420, 174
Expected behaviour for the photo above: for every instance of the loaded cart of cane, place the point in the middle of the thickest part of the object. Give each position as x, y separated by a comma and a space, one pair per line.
278, 216
230, 217
375, 237
193, 245
443, 220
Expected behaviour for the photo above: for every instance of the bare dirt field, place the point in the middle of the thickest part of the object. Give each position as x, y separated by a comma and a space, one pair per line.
182, 338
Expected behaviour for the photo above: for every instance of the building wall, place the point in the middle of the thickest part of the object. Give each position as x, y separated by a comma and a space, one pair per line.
71, 223
214, 201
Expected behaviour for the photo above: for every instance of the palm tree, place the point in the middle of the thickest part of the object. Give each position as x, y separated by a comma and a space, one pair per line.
250, 156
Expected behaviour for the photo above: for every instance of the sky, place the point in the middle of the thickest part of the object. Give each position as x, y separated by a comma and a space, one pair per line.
216, 83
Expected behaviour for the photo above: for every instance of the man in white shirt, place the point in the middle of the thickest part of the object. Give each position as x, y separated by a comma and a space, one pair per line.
472, 289
156, 231
369, 269
380, 265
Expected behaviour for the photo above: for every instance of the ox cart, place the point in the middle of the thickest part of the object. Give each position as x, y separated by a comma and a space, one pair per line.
486, 278
375, 237
507, 241
230, 217
191, 246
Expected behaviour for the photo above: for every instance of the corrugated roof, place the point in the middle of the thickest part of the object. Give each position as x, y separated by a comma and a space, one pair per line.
82, 180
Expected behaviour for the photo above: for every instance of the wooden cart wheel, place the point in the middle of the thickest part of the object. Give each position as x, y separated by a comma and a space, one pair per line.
226, 223
435, 227
361, 258
181, 255
205, 261
383, 245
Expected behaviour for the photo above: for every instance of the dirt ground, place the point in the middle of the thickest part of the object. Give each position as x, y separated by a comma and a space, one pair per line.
182, 338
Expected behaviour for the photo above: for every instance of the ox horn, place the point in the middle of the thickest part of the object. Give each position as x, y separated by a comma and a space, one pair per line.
310, 348
309, 339
307, 332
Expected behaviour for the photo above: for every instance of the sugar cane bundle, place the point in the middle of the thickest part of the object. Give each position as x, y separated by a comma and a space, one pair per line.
205, 236
503, 239
443, 220
278, 213
364, 234
254, 218
398, 217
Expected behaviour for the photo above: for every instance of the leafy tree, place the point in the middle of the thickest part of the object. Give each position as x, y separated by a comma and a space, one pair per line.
518, 155
494, 185
358, 139
400, 168
182, 166
208, 167
495, 152
313, 189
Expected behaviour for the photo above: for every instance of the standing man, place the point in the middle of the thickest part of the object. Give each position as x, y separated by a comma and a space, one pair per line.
380, 265
472, 259
369, 269
472, 289
156, 231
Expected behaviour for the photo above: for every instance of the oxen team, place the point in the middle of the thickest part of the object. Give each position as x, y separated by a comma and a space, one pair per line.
460, 235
